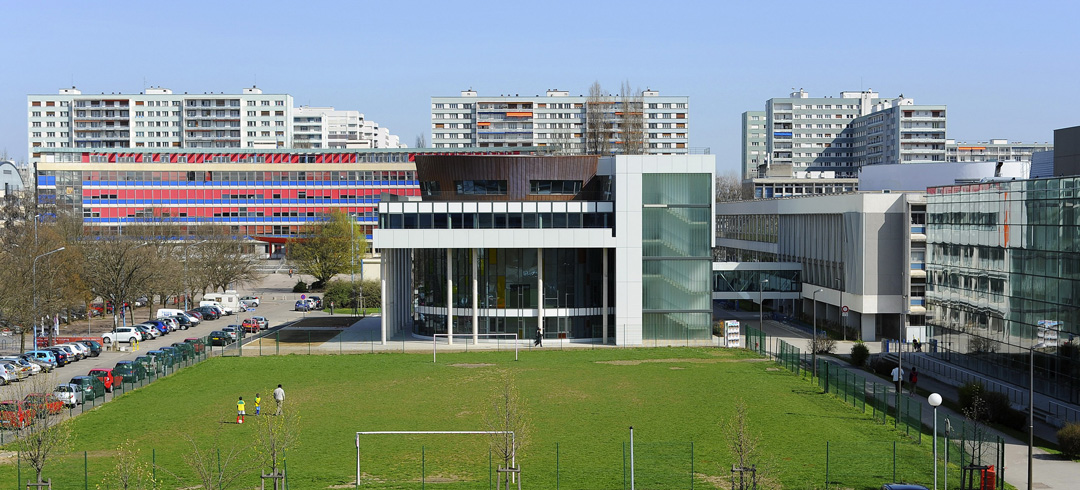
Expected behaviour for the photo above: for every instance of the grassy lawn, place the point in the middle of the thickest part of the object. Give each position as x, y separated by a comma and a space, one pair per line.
579, 405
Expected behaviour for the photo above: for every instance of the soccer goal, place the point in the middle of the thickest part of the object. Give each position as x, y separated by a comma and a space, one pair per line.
435, 343
513, 440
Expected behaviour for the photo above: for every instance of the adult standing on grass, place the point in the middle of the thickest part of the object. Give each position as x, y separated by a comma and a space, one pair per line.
279, 398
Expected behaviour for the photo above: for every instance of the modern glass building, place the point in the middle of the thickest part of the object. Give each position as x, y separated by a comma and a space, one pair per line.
613, 249
1003, 277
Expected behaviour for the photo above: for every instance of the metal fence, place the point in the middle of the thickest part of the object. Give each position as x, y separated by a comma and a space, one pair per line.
884, 401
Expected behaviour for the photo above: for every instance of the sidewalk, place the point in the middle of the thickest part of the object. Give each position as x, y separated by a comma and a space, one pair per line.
1050, 472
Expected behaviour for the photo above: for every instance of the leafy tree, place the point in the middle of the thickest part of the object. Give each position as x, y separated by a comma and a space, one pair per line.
332, 247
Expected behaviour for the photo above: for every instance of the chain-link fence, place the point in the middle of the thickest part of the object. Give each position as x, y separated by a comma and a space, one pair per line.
789, 357
854, 464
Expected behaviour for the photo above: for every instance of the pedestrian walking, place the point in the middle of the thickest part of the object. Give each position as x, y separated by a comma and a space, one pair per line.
539, 342
913, 379
240, 411
917, 345
898, 378
290, 273
257, 401
279, 398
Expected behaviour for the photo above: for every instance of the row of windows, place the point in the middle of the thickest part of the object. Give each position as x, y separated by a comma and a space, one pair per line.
329, 176
457, 221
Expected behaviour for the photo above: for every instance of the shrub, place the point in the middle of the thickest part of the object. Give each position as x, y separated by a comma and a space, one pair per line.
1069, 440
300, 287
859, 354
718, 328
318, 285
345, 294
823, 344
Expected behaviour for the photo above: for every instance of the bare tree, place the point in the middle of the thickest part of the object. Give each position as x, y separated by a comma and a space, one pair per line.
218, 468
597, 121
130, 471
975, 435
118, 268
507, 417
222, 261
728, 188
273, 437
632, 125
43, 435
421, 141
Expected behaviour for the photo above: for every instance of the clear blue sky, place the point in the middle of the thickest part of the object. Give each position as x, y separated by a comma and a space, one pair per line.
1005, 69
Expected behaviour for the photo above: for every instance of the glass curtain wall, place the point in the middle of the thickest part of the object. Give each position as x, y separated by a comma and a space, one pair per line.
508, 291
677, 261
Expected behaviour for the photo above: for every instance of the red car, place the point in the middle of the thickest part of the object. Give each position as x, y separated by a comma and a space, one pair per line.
15, 414
251, 326
106, 377
43, 403
197, 343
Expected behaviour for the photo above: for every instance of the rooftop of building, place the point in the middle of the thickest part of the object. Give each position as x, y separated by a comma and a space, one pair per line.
228, 151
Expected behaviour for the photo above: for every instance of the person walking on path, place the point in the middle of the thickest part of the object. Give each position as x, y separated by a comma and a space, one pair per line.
913, 379
240, 411
290, 273
917, 345
279, 398
898, 379
257, 401
539, 342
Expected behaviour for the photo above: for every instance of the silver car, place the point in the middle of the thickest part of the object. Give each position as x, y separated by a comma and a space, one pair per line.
23, 364
19, 372
70, 394
8, 373
46, 366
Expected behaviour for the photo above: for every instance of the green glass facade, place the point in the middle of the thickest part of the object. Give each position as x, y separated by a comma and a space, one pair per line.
1003, 276
676, 258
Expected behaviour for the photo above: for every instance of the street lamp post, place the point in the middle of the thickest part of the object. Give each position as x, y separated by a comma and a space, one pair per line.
813, 341
33, 275
843, 317
935, 401
761, 305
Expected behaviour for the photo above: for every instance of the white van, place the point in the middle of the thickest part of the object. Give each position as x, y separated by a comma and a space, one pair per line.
217, 305
167, 312
229, 301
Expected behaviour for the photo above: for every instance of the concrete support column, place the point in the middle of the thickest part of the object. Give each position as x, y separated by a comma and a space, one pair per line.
385, 288
450, 296
604, 298
475, 296
540, 288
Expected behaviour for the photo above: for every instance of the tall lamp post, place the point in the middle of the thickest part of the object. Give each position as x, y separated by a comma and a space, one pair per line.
813, 341
761, 305
935, 401
33, 275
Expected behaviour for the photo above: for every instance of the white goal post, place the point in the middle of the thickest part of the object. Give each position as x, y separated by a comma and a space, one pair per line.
513, 440
435, 344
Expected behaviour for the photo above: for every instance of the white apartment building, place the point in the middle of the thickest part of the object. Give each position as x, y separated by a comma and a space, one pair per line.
326, 127
816, 145
555, 119
160, 118
995, 150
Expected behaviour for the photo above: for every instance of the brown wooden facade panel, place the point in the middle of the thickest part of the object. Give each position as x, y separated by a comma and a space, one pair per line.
516, 170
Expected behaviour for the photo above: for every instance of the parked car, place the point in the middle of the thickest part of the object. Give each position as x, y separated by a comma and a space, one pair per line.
195, 314
43, 404
156, 327
46, 355
126, 373
233, 331
8, 374
14, 414
198, 345
171, 323
122, 334
20, 372
182, 321
69, 394
162, 359
93, 345
262, 321
302, 305
138, 370
70, 351
46, 366
208, 312
149, 332
106, 377
251, 299
175, 354
217, 337
81, 351
250, 325
148, 362
90, 386
62, 357
22, 364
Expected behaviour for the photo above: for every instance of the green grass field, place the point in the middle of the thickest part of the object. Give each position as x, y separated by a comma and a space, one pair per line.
579, 404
